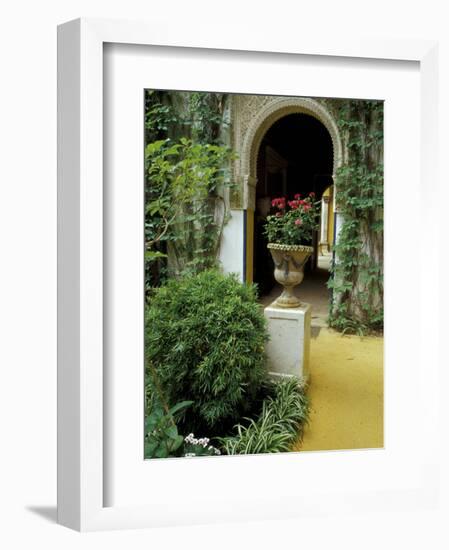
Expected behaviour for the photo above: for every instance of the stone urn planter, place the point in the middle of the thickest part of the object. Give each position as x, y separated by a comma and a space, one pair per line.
289, 262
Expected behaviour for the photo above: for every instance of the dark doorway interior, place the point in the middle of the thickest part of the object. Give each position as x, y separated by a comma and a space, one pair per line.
295, 156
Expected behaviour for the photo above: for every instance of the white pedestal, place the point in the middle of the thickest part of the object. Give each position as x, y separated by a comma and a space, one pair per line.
288, 349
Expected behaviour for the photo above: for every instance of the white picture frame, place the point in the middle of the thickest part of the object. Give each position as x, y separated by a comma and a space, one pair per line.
81, 402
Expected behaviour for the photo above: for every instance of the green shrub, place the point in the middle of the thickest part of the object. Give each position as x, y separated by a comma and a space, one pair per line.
279, 425
205, 337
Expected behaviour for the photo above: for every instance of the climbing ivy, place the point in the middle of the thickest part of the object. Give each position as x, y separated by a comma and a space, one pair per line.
185, 151
357, 271
196, 239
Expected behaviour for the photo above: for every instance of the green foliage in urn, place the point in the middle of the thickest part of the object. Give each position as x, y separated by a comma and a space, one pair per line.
205, 337
294, 221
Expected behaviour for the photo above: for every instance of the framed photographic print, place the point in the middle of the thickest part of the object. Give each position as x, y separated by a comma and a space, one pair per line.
234, 220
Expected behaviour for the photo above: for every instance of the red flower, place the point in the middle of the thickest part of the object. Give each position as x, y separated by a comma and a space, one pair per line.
307, 207
279, 203
298, 222
293, 204
297, 196
312, 194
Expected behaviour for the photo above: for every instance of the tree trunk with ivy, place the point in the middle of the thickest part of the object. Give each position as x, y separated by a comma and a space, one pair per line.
195, 242
357, 281
192, 242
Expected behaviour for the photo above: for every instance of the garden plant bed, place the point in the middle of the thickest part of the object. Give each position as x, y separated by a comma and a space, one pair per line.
207, 388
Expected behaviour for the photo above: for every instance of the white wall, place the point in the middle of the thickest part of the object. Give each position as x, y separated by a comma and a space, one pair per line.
232, 244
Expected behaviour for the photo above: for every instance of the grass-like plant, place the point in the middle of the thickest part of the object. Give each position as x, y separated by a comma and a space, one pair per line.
205, 337
279, 425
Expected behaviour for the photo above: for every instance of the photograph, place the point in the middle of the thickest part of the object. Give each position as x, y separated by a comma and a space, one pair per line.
263, 274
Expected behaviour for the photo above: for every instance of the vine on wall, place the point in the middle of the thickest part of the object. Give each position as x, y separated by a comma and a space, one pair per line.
186, 147
357, 280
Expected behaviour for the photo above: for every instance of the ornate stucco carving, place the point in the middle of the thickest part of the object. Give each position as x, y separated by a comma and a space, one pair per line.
252, 116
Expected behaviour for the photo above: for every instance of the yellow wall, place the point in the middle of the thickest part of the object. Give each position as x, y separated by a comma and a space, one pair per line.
330, 213
330, 223
249, 245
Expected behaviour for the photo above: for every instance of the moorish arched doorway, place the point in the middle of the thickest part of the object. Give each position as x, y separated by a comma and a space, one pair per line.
250, 117
255, 116
295, 157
